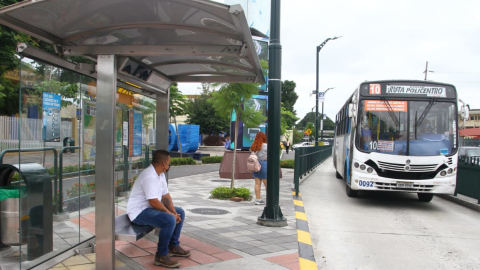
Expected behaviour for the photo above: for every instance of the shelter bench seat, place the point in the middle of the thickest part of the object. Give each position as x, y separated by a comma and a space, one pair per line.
125, 230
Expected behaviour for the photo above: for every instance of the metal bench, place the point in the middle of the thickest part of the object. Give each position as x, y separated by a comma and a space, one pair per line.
125, 230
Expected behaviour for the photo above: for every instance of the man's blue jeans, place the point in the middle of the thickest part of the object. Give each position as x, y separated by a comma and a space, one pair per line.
170, 230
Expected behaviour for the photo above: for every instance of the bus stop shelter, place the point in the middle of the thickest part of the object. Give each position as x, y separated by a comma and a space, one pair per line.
143, 46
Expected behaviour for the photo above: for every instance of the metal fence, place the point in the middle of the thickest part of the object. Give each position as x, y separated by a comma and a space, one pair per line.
468, 177
27, 133
307, 159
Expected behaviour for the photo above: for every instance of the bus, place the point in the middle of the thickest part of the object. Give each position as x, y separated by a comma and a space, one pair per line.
398, 135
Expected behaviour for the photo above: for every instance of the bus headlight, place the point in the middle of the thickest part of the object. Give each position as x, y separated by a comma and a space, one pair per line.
356, 164
370, 170
450, 170
443, 173
362, 167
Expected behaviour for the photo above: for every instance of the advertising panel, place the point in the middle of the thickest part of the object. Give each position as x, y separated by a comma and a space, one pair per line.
259, 103
137, 133
51, 117
118, 133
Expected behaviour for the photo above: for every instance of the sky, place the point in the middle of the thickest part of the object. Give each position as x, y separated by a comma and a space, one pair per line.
381, 40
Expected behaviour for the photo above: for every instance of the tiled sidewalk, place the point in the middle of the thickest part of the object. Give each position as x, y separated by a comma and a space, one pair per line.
220, 234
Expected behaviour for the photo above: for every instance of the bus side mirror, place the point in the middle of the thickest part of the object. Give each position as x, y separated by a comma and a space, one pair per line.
464, 111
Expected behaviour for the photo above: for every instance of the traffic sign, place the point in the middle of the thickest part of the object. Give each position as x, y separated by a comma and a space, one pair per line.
308, 131
321, 96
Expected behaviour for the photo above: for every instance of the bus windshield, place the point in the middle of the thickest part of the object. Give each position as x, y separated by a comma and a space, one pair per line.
384, 127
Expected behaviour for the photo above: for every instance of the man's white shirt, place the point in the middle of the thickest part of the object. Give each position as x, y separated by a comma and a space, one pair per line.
148, 186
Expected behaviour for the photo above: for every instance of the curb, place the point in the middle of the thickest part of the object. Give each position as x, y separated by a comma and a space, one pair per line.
306, 257
457, 200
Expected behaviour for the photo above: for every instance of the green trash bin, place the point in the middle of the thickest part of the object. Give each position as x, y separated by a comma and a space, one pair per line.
13, 215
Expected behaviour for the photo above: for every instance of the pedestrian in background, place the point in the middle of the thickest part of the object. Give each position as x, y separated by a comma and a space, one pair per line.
287, 146
227, 142
259, 146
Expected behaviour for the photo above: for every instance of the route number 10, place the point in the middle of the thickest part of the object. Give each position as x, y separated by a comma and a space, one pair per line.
375, 89
373, 145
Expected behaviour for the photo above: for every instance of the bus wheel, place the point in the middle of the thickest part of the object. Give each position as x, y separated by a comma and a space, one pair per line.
351, 192
425, 197
338, 175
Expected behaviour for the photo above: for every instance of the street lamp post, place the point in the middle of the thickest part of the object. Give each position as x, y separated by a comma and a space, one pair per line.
321, 126
319, 47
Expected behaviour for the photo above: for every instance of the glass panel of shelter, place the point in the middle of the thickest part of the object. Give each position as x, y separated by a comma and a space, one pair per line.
49, 161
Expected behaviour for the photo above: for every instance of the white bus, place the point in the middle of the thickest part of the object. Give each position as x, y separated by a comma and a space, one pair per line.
398, 136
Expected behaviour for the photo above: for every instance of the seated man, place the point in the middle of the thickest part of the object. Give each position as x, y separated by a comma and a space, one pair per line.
227, 142
151, 204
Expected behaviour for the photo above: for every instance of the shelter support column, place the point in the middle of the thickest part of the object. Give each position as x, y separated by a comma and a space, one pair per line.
161, 122
105, 162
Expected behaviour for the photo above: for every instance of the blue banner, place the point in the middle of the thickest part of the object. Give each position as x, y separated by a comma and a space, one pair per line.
137, 133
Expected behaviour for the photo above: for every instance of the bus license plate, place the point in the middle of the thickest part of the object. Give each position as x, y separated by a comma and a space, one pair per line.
404, 184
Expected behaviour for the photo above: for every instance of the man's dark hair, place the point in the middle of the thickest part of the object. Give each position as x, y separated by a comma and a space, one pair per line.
160, 156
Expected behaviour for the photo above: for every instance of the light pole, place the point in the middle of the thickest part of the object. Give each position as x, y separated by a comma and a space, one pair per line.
272, 215
426, 70
319, 47
321, 126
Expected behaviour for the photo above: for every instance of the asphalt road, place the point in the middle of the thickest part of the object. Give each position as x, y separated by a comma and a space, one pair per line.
386, 230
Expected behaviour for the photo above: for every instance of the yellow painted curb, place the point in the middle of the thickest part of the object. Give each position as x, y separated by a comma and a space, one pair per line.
294, 193
301, 216
307, 264
298, 203
304, 237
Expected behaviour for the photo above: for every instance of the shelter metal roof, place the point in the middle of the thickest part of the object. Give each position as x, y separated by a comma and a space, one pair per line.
159, 41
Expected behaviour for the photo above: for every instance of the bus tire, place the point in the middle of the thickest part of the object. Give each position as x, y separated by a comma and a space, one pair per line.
425, 197
338, 175
350, 192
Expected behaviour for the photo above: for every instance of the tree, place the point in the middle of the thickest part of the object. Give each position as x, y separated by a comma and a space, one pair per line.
229, 99
9, 60
177, 107
287, 118
297, 136
289, 97
200, 111
328, 124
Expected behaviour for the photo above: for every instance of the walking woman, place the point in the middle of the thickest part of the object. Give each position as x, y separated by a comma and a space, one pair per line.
260, 147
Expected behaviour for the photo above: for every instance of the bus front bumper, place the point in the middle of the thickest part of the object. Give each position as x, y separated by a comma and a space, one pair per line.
439, 185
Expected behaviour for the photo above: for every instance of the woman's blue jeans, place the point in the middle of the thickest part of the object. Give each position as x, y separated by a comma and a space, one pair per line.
170, 230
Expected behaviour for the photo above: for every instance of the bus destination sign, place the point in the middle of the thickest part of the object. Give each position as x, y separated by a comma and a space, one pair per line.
429, 91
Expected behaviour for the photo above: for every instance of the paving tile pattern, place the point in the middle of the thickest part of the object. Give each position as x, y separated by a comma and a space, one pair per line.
212, 239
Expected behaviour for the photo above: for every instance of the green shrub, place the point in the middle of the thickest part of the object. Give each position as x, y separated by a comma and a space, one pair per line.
182, 161
289, 164
213, 140
212, 159
74, 192
225, 193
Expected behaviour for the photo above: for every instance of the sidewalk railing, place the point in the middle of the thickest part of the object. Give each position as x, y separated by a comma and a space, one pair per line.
468, 177
307, 159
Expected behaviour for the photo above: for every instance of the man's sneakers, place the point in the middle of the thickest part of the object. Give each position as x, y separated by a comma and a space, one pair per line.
178, 252
166, 261
259, 201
